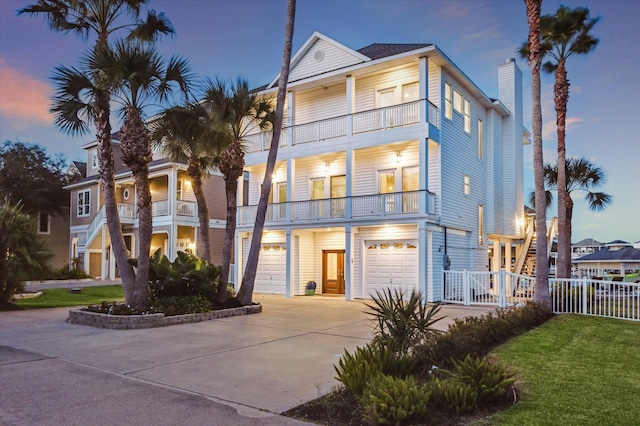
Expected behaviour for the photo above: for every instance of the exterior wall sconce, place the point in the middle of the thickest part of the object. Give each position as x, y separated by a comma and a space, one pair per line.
398, 157
326, 166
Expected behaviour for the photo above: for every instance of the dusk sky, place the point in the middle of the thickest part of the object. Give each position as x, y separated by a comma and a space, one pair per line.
244, 38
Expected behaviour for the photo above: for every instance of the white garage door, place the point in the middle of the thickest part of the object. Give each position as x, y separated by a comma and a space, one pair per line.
270, 277
390, 264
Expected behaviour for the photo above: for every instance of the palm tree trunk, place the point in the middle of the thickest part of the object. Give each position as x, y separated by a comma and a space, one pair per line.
569, 226
561, 90
136, 154
195, 173
541, 293
107, 180
231, 190
245, 294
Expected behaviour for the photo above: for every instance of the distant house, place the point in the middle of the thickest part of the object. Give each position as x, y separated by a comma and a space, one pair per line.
174, 209
617, 258
393, 165
54, 230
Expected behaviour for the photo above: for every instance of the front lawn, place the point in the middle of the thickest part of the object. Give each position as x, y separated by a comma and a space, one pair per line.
574, 370
59, 297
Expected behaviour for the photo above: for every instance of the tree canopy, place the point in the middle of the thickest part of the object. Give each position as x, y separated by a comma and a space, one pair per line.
28, 175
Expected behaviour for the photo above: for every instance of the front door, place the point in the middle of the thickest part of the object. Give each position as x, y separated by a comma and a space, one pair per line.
333, 271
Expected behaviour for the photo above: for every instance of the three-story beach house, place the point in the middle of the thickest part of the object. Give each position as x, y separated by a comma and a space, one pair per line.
393, 165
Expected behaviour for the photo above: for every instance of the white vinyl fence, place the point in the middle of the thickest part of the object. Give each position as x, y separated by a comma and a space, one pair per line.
611, 299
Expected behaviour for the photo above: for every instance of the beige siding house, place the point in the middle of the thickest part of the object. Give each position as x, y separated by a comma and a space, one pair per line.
174, 209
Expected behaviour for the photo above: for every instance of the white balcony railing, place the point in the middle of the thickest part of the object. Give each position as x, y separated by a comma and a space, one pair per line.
378, 205
126, 211
361, 122
186, 208
160, 208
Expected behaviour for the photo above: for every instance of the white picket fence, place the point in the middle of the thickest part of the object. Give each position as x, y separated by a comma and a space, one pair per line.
611, 299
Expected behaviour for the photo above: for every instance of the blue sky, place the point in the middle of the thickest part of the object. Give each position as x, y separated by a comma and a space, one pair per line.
227, 39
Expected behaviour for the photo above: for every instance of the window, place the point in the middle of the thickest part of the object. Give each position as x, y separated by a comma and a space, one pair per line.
410, 92
94, 159
179, 184
480, 140
480, 225
410, 178
386, 181
448, 110
467, 185
317, 189
467, 116
457, 101
44, 222
84, 203
338, 186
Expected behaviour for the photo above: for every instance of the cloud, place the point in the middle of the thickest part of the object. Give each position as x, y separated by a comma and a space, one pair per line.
23, 98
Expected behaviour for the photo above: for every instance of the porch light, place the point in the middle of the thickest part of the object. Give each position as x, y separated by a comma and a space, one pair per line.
326, 166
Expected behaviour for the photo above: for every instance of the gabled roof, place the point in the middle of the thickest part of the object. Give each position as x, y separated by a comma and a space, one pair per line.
624, 254
81, 166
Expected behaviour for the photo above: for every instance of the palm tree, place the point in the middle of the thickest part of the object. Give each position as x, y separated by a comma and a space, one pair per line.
582, 175
239, 111
531, 52
189, 132
133, 75
102, 18
140, 77
245, 293
564, 34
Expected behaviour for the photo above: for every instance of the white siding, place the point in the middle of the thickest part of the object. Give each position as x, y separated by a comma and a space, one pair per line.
320, 104
333, 58
306, 262
325, 241
366, 88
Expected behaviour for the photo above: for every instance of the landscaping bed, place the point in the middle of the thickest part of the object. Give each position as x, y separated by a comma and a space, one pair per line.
124, 322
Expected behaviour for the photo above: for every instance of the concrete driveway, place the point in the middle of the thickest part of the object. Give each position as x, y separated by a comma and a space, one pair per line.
238, 370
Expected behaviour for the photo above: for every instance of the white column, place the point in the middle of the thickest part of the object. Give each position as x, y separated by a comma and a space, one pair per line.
423, 250
172, 178
423, 176
291, 108
291, 173
289, 264
423, 87
496, 264
430, 282
350, 170
351, 102
507, 255
349, 254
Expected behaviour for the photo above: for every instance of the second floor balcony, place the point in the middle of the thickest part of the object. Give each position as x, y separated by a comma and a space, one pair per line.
379, 119
390, 205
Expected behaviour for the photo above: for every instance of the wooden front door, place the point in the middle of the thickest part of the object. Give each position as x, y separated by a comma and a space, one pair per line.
333, 271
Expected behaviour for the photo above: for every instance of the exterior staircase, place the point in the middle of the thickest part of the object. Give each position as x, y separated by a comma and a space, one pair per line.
526, 264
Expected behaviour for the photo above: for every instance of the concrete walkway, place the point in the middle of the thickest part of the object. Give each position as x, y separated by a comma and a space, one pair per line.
231, 371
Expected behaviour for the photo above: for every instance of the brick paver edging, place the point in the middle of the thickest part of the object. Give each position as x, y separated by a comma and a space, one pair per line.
124, 322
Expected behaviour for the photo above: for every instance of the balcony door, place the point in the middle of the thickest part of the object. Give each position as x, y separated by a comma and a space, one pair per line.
387, 98
338, 194
319, 208
387, 187
410, 184
333, 271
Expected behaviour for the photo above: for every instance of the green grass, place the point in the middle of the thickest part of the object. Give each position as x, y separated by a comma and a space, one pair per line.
59, 297
574, 370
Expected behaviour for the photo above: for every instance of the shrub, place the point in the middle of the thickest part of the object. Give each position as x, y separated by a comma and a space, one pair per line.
406, 323
355, 371
394, 401
489, 381
188, 275
180, 305
168, 305
68, 274
476, 336
453, 396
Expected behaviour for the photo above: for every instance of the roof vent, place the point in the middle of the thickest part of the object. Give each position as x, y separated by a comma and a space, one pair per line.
319, 55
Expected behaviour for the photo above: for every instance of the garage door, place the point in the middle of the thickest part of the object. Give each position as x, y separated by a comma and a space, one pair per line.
270, 277
390, 264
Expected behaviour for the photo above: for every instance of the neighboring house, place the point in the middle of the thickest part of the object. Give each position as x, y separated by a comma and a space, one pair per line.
54, 229
617, 258
175, 221
392, 165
